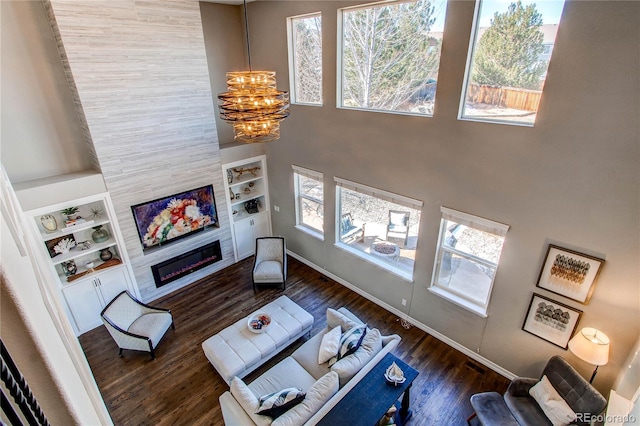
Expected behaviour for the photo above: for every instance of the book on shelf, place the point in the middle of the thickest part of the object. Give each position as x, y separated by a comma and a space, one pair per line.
76, 222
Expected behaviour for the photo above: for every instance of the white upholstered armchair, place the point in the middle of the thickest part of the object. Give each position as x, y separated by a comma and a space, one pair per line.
134, 325
270, 262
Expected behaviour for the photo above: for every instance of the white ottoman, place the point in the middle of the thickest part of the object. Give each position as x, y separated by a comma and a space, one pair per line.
237, 351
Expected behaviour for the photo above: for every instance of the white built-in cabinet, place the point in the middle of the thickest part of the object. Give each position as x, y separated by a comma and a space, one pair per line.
246, 181
95, 280
246, 232
87, 297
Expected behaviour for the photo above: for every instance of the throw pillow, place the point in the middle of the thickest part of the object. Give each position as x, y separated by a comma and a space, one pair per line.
317, 396
554, 406
248, 401
397, 219
335, 318
329, 345
276, 403
350, 365
349, 342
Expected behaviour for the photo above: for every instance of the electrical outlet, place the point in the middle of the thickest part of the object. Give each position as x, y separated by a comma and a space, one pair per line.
276, 208
404, 302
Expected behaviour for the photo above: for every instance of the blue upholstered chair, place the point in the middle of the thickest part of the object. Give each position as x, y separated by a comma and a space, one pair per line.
349, 231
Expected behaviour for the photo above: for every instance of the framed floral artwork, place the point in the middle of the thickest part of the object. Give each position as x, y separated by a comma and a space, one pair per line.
551, 320
569, 273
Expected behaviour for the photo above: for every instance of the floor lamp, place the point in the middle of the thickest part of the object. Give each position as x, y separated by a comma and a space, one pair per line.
592, 346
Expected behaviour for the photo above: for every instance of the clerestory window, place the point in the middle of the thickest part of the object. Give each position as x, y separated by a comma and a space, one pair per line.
509, 56
389, 55
305, 59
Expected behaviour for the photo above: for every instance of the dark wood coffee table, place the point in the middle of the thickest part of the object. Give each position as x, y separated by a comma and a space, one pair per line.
370, 399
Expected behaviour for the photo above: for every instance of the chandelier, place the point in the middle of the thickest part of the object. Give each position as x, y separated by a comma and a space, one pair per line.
252, 103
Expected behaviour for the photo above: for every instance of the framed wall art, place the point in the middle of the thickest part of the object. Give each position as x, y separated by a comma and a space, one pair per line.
551, 320
569, 273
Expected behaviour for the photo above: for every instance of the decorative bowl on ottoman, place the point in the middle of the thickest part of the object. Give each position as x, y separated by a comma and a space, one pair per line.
258, 322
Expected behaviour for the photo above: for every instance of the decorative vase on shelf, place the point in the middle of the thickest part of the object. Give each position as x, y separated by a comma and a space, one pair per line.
105, 254
49, 223
100, 235
69, 268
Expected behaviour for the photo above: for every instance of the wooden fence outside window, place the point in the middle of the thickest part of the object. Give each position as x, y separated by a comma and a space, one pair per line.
505, 97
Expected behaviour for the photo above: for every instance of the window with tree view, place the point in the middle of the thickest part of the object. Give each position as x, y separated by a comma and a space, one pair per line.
305, 59
508, 60
390, 55
309, 201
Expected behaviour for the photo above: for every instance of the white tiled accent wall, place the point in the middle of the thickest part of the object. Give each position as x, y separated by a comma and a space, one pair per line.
138, 72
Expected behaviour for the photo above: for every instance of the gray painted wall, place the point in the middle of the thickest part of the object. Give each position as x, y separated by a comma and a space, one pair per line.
572, 180
40, 130
226, 51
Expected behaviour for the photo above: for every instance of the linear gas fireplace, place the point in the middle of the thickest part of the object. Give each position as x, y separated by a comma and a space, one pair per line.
186, 263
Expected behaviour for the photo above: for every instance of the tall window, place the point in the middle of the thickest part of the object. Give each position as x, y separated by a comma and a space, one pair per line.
508, 60
390, 55
378, 226
309, 201
467, 258
305, 58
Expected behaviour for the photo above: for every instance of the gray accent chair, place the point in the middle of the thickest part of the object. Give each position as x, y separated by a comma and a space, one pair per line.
134, 325
518, 407
270, 262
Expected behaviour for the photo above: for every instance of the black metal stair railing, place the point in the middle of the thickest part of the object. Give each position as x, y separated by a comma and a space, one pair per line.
18, 389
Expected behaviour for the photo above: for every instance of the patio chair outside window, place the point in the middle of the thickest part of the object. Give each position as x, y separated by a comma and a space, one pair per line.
398, 227
349, 232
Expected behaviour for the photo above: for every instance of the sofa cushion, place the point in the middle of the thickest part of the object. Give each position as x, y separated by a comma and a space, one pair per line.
285, 374
276, 403
248, 401
525, 410
307, 356
152, 325
349, 342
329, 345
317, 395
553, 405
349, 366
335, 318
268, 271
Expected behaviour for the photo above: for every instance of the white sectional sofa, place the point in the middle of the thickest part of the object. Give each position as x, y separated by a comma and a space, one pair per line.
324, 386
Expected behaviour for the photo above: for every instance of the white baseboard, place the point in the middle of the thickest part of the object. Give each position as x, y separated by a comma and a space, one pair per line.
468, 352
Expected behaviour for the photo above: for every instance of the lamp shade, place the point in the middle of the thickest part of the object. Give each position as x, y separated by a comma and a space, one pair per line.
590, 345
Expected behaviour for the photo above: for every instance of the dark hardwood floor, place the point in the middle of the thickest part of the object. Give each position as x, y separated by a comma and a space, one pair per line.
180, 387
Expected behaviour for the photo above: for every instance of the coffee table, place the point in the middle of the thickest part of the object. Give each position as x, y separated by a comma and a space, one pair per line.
370, 399
237, 350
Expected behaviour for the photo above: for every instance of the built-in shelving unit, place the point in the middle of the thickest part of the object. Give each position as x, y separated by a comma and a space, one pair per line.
96, 268
247, 187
